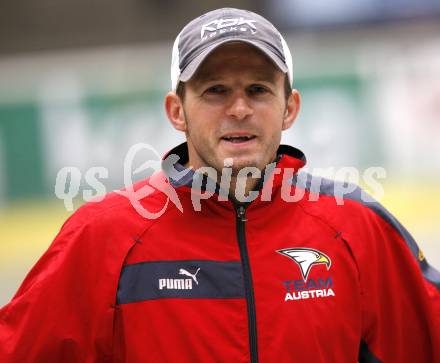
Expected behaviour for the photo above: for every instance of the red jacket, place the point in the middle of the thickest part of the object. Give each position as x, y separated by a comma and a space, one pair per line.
278, 281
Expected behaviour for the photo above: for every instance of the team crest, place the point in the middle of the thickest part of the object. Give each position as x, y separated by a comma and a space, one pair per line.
307, 288
306, 258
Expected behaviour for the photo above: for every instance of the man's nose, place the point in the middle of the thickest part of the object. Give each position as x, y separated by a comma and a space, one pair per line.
239, 107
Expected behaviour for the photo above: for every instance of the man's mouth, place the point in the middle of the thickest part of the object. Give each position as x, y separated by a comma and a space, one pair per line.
236, 139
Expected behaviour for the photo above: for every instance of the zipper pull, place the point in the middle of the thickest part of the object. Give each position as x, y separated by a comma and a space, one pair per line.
241, 213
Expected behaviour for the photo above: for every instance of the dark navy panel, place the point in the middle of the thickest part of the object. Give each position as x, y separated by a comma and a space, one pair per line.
328, 187
365, 355
194, 279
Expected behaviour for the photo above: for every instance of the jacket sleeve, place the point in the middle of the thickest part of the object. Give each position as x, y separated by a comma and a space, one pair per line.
63, 311
401, 294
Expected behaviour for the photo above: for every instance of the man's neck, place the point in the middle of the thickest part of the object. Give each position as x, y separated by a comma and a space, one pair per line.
240, 188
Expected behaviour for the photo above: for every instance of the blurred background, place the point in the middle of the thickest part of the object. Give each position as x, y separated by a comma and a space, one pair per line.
81, 82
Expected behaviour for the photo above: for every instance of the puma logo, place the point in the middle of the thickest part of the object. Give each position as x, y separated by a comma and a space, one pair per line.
182, 271
179, 284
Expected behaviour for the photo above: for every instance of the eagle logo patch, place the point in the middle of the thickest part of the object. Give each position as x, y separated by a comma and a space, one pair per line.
306, 258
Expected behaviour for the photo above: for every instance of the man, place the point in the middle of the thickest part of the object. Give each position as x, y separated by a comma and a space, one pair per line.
249, 273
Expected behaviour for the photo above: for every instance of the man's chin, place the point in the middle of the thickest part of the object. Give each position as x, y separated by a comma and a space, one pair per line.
238, 163
245, 167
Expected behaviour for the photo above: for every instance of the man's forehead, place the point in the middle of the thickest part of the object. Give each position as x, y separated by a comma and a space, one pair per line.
261, 74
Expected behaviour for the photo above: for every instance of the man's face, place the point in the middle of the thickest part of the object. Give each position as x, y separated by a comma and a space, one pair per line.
235, 107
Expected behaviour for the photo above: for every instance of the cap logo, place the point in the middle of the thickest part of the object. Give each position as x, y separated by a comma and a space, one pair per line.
219, 26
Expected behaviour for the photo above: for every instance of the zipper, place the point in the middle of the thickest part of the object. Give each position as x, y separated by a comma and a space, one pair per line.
248, 286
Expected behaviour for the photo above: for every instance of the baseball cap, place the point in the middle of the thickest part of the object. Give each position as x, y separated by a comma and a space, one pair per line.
207, 32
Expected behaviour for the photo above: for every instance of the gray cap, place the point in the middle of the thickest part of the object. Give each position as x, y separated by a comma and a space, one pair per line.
207, 32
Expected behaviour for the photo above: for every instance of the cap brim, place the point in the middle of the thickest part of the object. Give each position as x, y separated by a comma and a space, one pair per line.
192, 67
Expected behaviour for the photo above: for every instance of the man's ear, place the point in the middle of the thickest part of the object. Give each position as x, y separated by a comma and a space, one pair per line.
292, 109
174, 110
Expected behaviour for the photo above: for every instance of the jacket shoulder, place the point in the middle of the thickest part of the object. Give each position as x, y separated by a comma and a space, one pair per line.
329, 196
348, 208
119, 208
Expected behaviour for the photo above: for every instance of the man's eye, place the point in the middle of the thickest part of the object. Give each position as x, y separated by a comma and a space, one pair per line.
257, 89
216, 90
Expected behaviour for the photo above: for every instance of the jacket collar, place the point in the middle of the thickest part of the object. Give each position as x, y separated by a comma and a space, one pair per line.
288, 157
